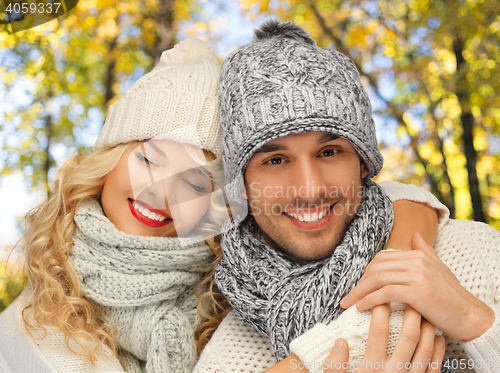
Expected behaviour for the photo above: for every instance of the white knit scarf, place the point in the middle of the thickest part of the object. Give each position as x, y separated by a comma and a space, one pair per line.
146, 288
284, 299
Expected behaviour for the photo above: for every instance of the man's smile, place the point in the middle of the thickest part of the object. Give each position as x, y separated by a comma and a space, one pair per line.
311, 218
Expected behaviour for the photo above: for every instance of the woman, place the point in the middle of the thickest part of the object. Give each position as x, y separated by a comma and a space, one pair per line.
116, 253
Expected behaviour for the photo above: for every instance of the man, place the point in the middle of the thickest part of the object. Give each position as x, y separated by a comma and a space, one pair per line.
300, 145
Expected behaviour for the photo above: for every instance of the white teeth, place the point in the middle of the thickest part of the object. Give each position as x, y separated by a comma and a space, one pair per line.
149, 214
309, 218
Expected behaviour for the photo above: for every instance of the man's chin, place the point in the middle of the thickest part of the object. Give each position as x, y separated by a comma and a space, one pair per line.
301, 250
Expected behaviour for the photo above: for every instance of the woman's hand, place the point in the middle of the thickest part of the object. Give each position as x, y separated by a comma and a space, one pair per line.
418, 349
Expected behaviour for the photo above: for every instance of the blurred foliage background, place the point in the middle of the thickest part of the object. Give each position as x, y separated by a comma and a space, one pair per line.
432, 69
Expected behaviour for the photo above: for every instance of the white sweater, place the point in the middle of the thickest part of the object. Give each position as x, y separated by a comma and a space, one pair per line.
470, 249
19, 353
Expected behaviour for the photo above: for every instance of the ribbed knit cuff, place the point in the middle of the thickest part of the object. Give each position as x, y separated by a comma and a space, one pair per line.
397, 191
314, 346
485, 349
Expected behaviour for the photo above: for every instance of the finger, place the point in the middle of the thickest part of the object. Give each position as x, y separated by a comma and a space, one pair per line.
418, 243
409, 337
388, 275
376, 346
389, 293
337, 361
407, 261
438, 355
425, 347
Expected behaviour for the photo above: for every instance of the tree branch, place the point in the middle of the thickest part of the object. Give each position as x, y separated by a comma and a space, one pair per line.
398, 113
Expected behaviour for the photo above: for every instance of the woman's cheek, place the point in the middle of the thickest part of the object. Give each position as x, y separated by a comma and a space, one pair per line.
188, 214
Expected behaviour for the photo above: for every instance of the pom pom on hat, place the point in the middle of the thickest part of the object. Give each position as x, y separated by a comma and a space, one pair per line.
276, 28
282, 83
177, 101
187, 51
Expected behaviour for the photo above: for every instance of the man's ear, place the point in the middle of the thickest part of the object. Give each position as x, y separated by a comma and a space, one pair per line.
364, 169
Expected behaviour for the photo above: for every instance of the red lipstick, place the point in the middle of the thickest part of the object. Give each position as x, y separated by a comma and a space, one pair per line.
145, 220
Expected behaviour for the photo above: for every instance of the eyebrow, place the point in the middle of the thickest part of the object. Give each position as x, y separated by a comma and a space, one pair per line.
156, 148
325, 137
269, 148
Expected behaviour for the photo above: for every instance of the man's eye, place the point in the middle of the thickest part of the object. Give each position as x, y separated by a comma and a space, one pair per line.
143, 159
329, 152
276, 161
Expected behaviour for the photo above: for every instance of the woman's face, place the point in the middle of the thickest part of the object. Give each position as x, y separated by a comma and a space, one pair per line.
157, 189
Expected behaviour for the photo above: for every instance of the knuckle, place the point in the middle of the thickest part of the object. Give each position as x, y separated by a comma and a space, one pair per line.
427, 350
389, 291
378, 277
412, 335
379, 330
420, 262
373, 265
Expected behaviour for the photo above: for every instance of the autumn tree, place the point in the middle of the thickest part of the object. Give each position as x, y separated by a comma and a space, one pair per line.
61, 77
432, 69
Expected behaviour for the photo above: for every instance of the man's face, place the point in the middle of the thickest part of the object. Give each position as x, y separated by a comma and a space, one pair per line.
303, 192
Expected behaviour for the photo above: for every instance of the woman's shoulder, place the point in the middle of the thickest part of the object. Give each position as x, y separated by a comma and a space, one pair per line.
19, 352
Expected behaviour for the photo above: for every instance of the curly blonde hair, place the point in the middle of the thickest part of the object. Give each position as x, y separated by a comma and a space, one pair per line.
212, 305
56, 302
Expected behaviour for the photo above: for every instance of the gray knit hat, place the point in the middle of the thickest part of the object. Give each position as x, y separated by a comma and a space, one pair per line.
282, 83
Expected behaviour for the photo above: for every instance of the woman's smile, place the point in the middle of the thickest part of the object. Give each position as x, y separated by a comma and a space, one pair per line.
148, 215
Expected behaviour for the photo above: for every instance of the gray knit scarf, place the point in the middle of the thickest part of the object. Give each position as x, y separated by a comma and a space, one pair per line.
284, 299
146, 288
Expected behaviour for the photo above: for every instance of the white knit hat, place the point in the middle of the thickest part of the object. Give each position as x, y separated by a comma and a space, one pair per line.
176, 101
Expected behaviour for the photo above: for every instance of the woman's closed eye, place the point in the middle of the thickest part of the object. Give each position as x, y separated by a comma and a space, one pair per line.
197, 187
145, 160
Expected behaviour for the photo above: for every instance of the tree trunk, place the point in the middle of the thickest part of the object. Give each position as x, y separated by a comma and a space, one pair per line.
165, 35
467, 120
110, 74
49, 133
394, 110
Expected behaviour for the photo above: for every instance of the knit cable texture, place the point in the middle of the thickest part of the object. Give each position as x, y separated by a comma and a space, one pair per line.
462, 256
469, 249
176, 101
283, 299
146, 288
282, 84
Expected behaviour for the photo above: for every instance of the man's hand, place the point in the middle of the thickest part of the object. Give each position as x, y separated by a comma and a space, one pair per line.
418, 349
420, 279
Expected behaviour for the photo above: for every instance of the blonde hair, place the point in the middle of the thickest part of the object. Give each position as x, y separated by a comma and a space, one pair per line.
56, 302
212, 305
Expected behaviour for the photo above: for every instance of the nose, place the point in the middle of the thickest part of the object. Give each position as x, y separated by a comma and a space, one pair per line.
156, 195
307, 179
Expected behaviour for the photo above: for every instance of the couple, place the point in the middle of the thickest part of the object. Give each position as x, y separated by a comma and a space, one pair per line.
114, 263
